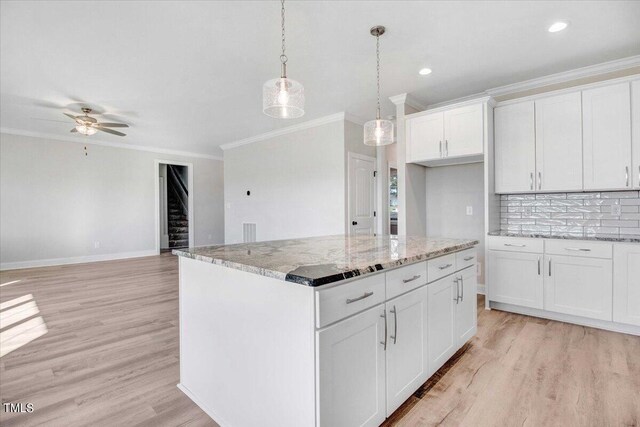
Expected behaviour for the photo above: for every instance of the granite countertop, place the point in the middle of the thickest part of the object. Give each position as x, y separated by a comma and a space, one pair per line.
317, 261
622, 238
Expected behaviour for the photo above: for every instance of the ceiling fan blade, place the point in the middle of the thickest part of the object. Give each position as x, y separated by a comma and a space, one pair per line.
74, 130
112, 125
70, 116
111, 131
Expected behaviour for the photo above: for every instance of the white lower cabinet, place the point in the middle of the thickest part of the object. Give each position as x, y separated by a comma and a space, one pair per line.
626, 284
351, 374
441, 321
467, 306
407, 358
516, 278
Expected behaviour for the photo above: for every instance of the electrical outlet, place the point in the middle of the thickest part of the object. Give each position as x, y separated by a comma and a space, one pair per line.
528, 210
616, 210
469, 210
210, 236
479, 267
96, 244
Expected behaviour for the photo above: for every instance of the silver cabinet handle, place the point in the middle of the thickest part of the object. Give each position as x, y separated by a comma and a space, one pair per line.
539, 180
578, 249
457, 298
531, 180
442, 267
469, 258
365, 295
384, 316
549, 267
538, 266
461, 288
514, 245
446, 147
440, 148
416, 277
626, 173
395, 324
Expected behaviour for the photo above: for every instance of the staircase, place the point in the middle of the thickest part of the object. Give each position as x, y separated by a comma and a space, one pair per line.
178, 216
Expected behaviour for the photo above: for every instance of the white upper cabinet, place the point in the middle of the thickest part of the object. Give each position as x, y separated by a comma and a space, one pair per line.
606, 125
425, 137
635, 132
463, 131
515, 148
559, 143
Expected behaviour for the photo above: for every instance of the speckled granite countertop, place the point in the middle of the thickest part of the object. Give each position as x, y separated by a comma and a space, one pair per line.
623, 238
317, 261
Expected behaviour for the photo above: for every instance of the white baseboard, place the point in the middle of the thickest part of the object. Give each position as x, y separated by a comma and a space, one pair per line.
481, 289
74, 260
197, 401
567, 318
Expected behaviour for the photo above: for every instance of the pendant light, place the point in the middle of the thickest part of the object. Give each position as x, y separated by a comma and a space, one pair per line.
283, 98
378, 132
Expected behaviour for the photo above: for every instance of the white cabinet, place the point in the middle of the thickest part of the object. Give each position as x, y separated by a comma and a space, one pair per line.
467, 306
463, 131
558, 123
626, 283
441, 321
606, 125
635, 132
579, 286
515, 148
351, 374
425, 137
516, 278
407, 358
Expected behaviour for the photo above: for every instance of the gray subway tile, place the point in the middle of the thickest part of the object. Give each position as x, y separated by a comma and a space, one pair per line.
630, 209
535, 203
595, 215
630, 216
620, 195
583, 209
551, 222
571, 215
551, 209
522, 221
565, 229
601, 202
522, 196
583, 196
630, 202
584, 222
619, 223
600, 230
568, 202
635, 231
551, 196
512, 215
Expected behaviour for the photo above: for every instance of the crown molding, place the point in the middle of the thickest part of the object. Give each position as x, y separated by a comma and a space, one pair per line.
405, 98
475, 98
354, 119
566, 76
91, 141
290, 129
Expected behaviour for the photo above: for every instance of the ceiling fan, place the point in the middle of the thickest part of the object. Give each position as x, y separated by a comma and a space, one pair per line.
87, 125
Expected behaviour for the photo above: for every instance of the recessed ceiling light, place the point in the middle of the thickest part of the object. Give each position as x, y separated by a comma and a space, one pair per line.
557, 26
424, 71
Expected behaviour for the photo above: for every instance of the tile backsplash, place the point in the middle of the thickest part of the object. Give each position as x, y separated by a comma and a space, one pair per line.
575, 214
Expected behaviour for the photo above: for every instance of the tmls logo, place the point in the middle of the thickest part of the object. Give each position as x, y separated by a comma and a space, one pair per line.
18, 407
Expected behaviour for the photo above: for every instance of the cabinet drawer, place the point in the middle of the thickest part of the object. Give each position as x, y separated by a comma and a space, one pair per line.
516, 244
579, 248
405, 278
466, 258
440, 267
344, 300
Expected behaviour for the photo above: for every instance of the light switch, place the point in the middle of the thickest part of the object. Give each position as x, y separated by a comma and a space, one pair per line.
469, 210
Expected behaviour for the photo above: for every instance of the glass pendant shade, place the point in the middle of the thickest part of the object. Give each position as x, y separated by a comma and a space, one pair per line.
86, 130
378, 132
283, 98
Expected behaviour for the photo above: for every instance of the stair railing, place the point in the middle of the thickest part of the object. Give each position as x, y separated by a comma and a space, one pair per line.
180, 190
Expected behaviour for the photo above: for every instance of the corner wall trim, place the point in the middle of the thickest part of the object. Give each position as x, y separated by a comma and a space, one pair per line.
74, 260
405, 98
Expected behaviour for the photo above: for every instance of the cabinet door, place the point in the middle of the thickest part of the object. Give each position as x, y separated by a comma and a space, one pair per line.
516, 278
606, 128
467, 306
441, 321
407, 357
515, 148
425, 137
635, 132
463, 131
578, 286
626, 284
559, 143
351, 371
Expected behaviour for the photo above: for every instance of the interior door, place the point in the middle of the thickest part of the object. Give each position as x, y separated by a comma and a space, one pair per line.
407, 357
559, 143
361, 194
426, 137
516, 278
635, 132
464, 131
606, 125
467, 307
441, 321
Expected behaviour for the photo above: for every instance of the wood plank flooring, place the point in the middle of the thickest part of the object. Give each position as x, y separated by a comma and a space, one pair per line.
109, 357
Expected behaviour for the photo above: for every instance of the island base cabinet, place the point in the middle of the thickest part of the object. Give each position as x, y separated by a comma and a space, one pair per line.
351, 371
578, 286
467, 306
516, 278
441, 321
626, 284
407, 358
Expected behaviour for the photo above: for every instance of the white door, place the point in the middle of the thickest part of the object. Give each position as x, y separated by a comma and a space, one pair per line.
425, 136
463, 131
467, 306
559, 143
351, 371
441, 321
515, 148
635, 132
361, 194
516, 278
578, 286
626, 283
407, 357
606, 125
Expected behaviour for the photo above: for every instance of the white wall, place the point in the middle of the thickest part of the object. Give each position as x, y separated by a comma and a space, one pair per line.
55, 202
450, 189
297, 185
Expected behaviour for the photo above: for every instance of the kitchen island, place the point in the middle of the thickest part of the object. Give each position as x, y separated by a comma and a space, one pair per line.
322, 331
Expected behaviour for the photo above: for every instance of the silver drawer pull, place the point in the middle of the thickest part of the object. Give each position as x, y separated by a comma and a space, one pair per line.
416, 277
442, 267
469, 258
517, 246
365, 295
578, 249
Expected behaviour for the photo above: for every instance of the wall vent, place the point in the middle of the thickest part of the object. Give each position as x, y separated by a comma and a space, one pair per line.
248, 232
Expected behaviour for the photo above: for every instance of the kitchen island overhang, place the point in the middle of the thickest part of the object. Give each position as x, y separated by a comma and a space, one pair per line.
254, 319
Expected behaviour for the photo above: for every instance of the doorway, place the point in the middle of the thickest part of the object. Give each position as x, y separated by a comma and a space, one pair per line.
393, 200
174, 205
361, 194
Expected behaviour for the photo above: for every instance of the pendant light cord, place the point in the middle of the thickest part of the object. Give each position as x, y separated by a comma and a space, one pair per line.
283, 56
378, 73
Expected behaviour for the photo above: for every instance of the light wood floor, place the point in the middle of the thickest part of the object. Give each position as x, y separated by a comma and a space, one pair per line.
110, 358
